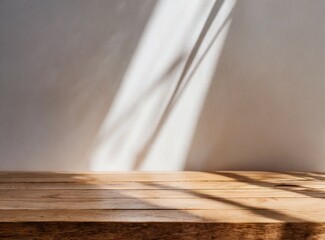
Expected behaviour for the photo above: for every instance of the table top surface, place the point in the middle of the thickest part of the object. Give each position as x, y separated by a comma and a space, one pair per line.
224, 197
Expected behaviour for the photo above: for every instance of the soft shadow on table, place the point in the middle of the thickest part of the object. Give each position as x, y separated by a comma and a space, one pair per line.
288, 226
310, 192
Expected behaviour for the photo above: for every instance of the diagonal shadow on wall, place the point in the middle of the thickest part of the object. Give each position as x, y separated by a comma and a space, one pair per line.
264, 108
181, 83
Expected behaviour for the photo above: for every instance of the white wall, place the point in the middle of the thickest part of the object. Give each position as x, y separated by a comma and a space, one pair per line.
162, 85
266, 104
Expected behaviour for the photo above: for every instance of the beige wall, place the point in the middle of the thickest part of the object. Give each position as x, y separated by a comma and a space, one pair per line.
86, 85
61, 64
266, 104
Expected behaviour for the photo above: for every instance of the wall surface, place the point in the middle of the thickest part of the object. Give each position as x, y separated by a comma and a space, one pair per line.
266, 104
162, 85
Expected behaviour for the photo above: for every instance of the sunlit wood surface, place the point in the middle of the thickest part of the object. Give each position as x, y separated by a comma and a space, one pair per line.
160, 205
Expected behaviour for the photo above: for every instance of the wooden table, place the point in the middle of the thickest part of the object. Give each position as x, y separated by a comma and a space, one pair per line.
160, 205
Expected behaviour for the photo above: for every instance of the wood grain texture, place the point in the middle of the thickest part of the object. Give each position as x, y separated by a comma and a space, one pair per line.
178, 205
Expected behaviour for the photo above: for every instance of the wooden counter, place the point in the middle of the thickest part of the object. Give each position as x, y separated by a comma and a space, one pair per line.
161, 205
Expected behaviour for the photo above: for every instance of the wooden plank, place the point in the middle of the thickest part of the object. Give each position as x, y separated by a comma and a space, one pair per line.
102, 177
203, 202
307, 185
101, 194
165, 215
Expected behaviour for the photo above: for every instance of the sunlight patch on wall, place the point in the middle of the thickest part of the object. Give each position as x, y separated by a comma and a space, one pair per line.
150, 124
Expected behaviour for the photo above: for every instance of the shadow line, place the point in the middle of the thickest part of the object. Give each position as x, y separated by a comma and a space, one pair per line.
283, 186
288, 226
141, 156
268, 213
